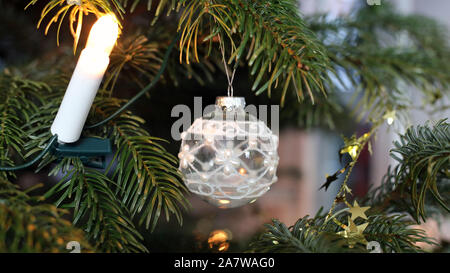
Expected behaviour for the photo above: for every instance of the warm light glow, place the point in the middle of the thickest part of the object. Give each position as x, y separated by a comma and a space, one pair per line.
224, 201
218, 236
218, 239
353, 151
390, 120
242, 171
223, 247
104, 34
389, 117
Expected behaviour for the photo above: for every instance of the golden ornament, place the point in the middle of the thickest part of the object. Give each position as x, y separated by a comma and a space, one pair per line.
358, 211
354, 233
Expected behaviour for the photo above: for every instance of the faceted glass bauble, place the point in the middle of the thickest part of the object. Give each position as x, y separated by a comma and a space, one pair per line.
229, 157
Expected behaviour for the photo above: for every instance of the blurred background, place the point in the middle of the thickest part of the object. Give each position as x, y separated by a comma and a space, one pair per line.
307, 155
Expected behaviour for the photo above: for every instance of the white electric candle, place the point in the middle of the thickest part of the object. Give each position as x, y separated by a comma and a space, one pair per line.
85, 81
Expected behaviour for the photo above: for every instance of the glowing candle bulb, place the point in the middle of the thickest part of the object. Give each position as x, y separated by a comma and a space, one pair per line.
86, 79
103, 34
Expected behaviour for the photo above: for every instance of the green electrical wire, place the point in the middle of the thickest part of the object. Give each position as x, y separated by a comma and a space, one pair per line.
41, 155
144, 90
115, 114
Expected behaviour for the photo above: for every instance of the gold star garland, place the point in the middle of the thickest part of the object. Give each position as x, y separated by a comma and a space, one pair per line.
352, 232
358, 211
389, 116
353, 145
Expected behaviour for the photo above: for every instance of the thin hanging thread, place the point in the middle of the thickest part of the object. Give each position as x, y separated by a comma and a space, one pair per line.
230, 80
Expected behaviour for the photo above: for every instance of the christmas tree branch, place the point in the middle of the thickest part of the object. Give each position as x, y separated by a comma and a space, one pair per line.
423, 154
137, 58
422, 168
271, 35
303, 237
76, 12
315, 234
381, 53
396, 234
19, 99
272, 38
95, 207
28, 226
85, 191
148, 182
133, 57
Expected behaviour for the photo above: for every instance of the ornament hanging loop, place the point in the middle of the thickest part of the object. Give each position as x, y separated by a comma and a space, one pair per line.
74, 2
229, 79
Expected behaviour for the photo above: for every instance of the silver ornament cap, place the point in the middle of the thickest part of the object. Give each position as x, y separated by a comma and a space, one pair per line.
230, 103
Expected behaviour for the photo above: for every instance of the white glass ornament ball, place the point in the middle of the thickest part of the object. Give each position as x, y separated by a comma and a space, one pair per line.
229, 157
